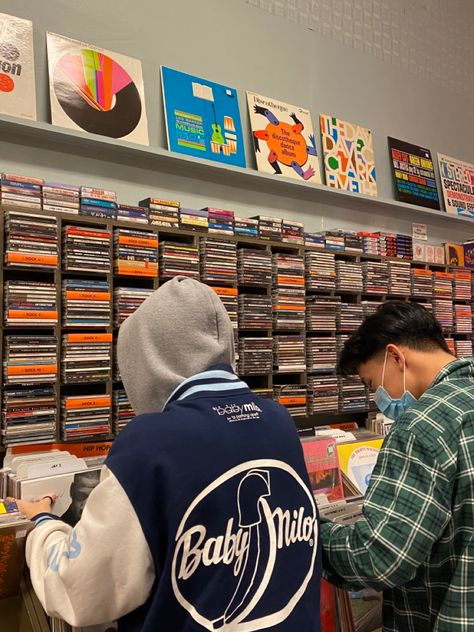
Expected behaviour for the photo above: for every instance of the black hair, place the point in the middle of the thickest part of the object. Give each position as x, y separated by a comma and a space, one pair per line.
395, 322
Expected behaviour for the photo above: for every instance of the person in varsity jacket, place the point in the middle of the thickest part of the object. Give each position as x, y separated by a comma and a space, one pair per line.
204, 518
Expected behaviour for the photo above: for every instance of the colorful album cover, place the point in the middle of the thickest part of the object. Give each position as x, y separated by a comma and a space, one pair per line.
12, 555
457, 181
322, 464
358, 459
96, 90
17, 67
413, 174
454, 254
202, 118
283, 138
349, 160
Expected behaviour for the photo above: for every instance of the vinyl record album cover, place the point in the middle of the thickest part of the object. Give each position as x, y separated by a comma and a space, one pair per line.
457, 181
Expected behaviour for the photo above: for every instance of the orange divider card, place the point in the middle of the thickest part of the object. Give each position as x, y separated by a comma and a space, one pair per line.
135, 271
226, 291
292, 280
98, 448
32, 314
23, 257
88, 296
89, 338
39, 369
138, 241
88, 402
292, 400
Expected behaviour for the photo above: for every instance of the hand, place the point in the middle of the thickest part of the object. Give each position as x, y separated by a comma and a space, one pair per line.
32, 509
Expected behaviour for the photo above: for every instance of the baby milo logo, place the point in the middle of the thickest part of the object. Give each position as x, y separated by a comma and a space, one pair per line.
246, 548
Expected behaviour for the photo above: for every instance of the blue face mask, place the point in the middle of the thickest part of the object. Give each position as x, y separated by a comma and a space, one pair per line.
388, 405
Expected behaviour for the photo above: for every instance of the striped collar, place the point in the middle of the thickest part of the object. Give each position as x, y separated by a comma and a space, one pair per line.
217, 379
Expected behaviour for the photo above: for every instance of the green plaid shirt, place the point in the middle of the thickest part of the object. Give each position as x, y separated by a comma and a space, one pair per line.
416, 538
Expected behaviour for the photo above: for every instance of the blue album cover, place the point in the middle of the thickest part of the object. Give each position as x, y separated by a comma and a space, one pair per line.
202, 118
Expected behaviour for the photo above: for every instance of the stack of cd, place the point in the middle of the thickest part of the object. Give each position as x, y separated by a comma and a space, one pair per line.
463, 348
98, 203
30, 360
127, 300
388, 244
320, 271
255, 356
370, 243
218, 261
30, 303
293, 397
135, 253
315, 239
192, 219
264, 393
323, 394
254, 267
86, 357
349, 316
353, 242
463, 319
86, 248
340, 341
451, 345
428, 305
62, 198
269, 227
399, 278
352, 394
86, 417
349, 277
443, 285
220, 222
21, 191
289, 354
321, 354
321, 312
292, 232
178, 259
421, 283
246, 227
375, 277
443, 311
462, 285
334, 240
137, 214
405, 247
86, 303
288, 292
255, 312
29, 416
370, 307
229, 298
123, 411
164, 213
31, 240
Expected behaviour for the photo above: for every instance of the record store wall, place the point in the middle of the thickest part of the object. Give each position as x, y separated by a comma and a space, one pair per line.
235, 42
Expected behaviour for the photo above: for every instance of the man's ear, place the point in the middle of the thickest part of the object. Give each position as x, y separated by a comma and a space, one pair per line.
396, 355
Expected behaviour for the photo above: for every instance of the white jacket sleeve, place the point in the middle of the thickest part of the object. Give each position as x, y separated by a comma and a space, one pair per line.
97, 571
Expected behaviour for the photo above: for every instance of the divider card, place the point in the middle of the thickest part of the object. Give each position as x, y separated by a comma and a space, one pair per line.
457, 181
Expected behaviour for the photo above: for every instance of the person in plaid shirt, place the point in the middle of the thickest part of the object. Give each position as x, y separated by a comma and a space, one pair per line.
415, 540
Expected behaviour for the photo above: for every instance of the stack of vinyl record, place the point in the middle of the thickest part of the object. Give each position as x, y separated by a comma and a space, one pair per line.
323, 394
288, 292
321, 354
375, 277
98, 203
220, 222
292, 232
462, 285
127, 300
463, 319
31, 240
269, 227
86, 417
254, 267
289, 354
255, 356
136, 214
177, 259
334, 240
349, 277
246, 227
421, 283
352, 394
399, 278
30, 303
21, 191
370, 243
349, 316
193, 219
315, 239
229, 298
320, 271
443, 284
86, 248
463, 348
370, 307
123, 411
29, 416
255, 312
86, 303
321, 312
135, 253
62, 198
443, 311
218, 261
86, 357
293, 397
164, 213
29, 360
